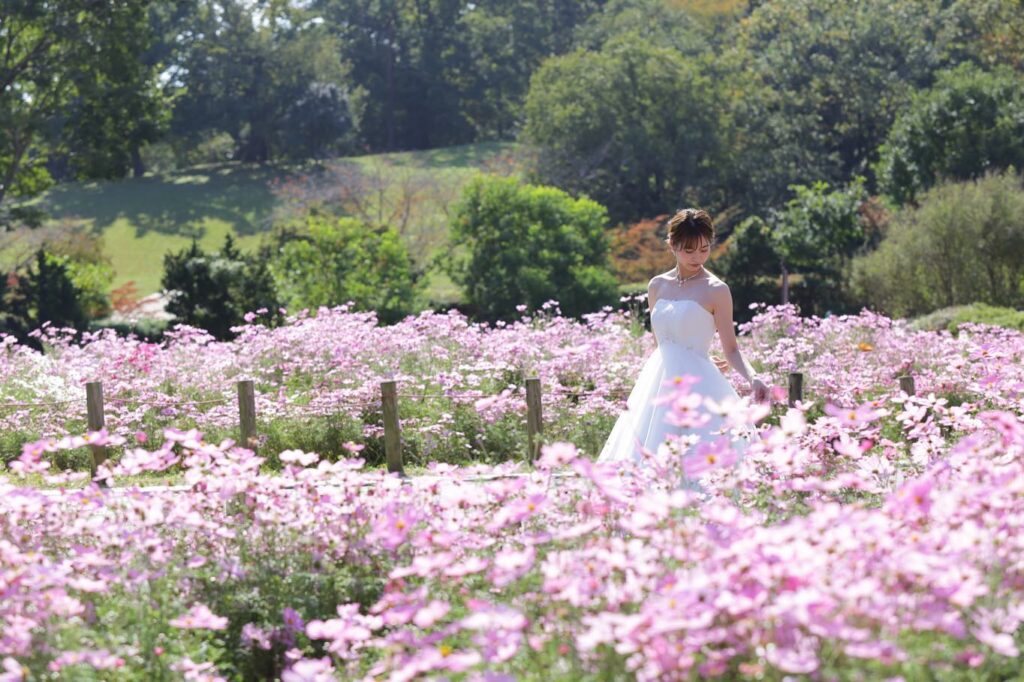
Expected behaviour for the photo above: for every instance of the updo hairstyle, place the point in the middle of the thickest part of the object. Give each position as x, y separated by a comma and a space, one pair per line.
688, 227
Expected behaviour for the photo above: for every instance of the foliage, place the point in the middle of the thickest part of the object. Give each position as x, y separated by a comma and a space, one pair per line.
816, 234
952, 318
749, 264
51, 293
119, 106
518, 244
639, 251
664, 24
995, 32
817, 85
14, 313
963, 244
215, 291
499, 45
272, 79
331, 261
82, 253
631, 125
375, 191
969, 123
437, 72
67, 75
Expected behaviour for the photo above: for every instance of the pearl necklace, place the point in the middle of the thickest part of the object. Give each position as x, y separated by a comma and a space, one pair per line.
684, 280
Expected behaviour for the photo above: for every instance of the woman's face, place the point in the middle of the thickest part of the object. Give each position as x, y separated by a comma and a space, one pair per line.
695, 256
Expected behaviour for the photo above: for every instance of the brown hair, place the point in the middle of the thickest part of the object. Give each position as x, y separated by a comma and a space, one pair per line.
688, 227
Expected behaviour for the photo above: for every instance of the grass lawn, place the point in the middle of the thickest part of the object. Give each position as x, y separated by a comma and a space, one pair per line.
141, 219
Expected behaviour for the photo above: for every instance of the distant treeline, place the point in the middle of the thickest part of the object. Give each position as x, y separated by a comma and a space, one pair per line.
813, 130
642, 104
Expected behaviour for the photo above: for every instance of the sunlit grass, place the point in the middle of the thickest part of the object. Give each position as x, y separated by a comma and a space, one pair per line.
142, 219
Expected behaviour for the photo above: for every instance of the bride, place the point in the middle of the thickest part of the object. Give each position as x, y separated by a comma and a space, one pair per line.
688, 305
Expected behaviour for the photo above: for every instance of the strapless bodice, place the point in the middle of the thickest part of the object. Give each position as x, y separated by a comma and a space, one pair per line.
683, 323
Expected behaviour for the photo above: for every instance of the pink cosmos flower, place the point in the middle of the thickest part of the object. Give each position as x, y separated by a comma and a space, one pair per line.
196, 672
292, 619
709, 455
13, 672
493, 617
310, 670
510, 565
1000, 642
915, 496
556, 455
853, 418
298, 457
431, 613
199, 617
517, 510
253, 635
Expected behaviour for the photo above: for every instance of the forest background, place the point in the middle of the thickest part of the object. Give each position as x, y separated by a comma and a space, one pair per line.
408, 154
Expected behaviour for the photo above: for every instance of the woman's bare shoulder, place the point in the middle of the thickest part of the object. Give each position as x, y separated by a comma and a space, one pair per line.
658, 280
717, 283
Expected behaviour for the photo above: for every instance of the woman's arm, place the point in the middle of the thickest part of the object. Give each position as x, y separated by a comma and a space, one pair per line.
727, 334
652, 298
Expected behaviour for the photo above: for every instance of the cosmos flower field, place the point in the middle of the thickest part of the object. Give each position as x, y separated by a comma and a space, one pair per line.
867, 535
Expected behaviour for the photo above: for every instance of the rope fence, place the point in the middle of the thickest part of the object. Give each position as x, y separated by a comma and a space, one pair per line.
247, 425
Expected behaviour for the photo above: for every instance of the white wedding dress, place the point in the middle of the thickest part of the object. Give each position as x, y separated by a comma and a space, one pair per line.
684, 330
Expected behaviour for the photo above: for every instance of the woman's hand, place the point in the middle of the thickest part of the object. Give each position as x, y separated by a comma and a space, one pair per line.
759, 389
721, 363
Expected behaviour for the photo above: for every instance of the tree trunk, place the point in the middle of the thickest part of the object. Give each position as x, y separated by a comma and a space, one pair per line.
138, 167
785, 283
17, 153
389, 113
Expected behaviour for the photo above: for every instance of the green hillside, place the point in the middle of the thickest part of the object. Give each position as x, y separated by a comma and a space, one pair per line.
141, 219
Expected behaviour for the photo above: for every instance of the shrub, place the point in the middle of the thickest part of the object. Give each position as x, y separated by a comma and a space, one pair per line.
215, 291
964, 244
518, 244
639, 251
977, 313
331, 260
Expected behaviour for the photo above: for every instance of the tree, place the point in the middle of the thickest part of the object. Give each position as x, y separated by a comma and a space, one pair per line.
269, 75
963, 243
817, 84
400, 52
118, 105
446, 72
215, 291
749, 262
501, 44
969, 123
816, 235
331, 261
633, 125
51, 295
61, 56
518, 244
15, 318
639, 251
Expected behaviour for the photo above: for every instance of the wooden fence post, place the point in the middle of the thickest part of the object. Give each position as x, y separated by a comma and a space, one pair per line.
94, 409
392, 432
907, 384
796, 387
534, 419
247, 415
